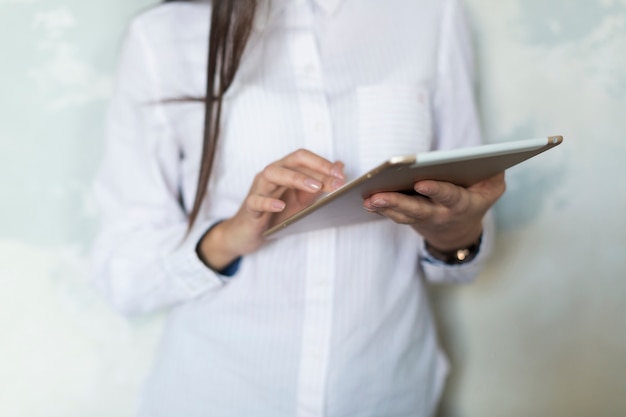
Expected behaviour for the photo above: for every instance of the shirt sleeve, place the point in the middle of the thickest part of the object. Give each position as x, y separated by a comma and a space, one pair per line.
143, 259
456, 125
440, 273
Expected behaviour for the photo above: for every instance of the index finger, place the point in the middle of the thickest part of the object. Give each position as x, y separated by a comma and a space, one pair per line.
313, 163
330, 174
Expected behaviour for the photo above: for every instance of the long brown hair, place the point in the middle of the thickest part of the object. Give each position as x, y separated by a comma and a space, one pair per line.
231, 24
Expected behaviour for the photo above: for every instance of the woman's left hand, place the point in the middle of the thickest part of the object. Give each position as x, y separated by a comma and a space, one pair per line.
447, 216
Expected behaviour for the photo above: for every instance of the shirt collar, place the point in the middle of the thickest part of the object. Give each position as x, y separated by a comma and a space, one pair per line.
329, 6
268, 9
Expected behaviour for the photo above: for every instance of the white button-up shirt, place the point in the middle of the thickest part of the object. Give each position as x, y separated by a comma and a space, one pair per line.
329, 323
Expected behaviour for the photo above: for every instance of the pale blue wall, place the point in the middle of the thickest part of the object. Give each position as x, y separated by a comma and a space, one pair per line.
542, 333
63, 353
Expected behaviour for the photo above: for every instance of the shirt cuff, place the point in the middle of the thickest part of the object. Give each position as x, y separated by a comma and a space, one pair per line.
437, 271
186, 265
229, 270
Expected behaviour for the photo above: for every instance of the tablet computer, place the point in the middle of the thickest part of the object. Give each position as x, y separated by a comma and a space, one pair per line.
464, 167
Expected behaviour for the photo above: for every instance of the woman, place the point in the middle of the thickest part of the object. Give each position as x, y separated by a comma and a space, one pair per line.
302, 94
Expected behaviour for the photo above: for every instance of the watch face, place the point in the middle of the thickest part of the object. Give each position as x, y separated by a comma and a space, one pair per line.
463, 254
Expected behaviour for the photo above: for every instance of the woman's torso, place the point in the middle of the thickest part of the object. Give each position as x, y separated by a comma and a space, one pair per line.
333, 322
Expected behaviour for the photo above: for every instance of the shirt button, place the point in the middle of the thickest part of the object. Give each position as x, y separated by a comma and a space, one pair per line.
322, 281
319, 127
316, 354
309, 68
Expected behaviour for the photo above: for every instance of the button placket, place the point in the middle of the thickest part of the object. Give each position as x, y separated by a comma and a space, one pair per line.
320, 266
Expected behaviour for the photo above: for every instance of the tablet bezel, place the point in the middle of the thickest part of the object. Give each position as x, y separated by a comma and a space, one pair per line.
463, 166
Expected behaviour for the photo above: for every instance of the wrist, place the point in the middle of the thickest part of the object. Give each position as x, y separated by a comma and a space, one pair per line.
213, 248
459, 255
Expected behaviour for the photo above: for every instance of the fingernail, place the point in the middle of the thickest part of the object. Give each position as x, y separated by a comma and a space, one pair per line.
278, 205
380, 203
336, 172
337, 184
420, 188
313, 185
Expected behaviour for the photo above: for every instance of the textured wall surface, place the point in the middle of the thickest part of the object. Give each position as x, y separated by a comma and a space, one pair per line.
541, 333
63, 353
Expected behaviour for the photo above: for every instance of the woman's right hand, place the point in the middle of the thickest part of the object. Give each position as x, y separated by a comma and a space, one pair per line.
289, 184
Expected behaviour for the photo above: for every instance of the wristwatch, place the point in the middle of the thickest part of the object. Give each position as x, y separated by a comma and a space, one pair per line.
456, 256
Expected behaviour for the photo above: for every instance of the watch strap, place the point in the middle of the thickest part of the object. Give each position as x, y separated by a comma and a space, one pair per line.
456, 256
